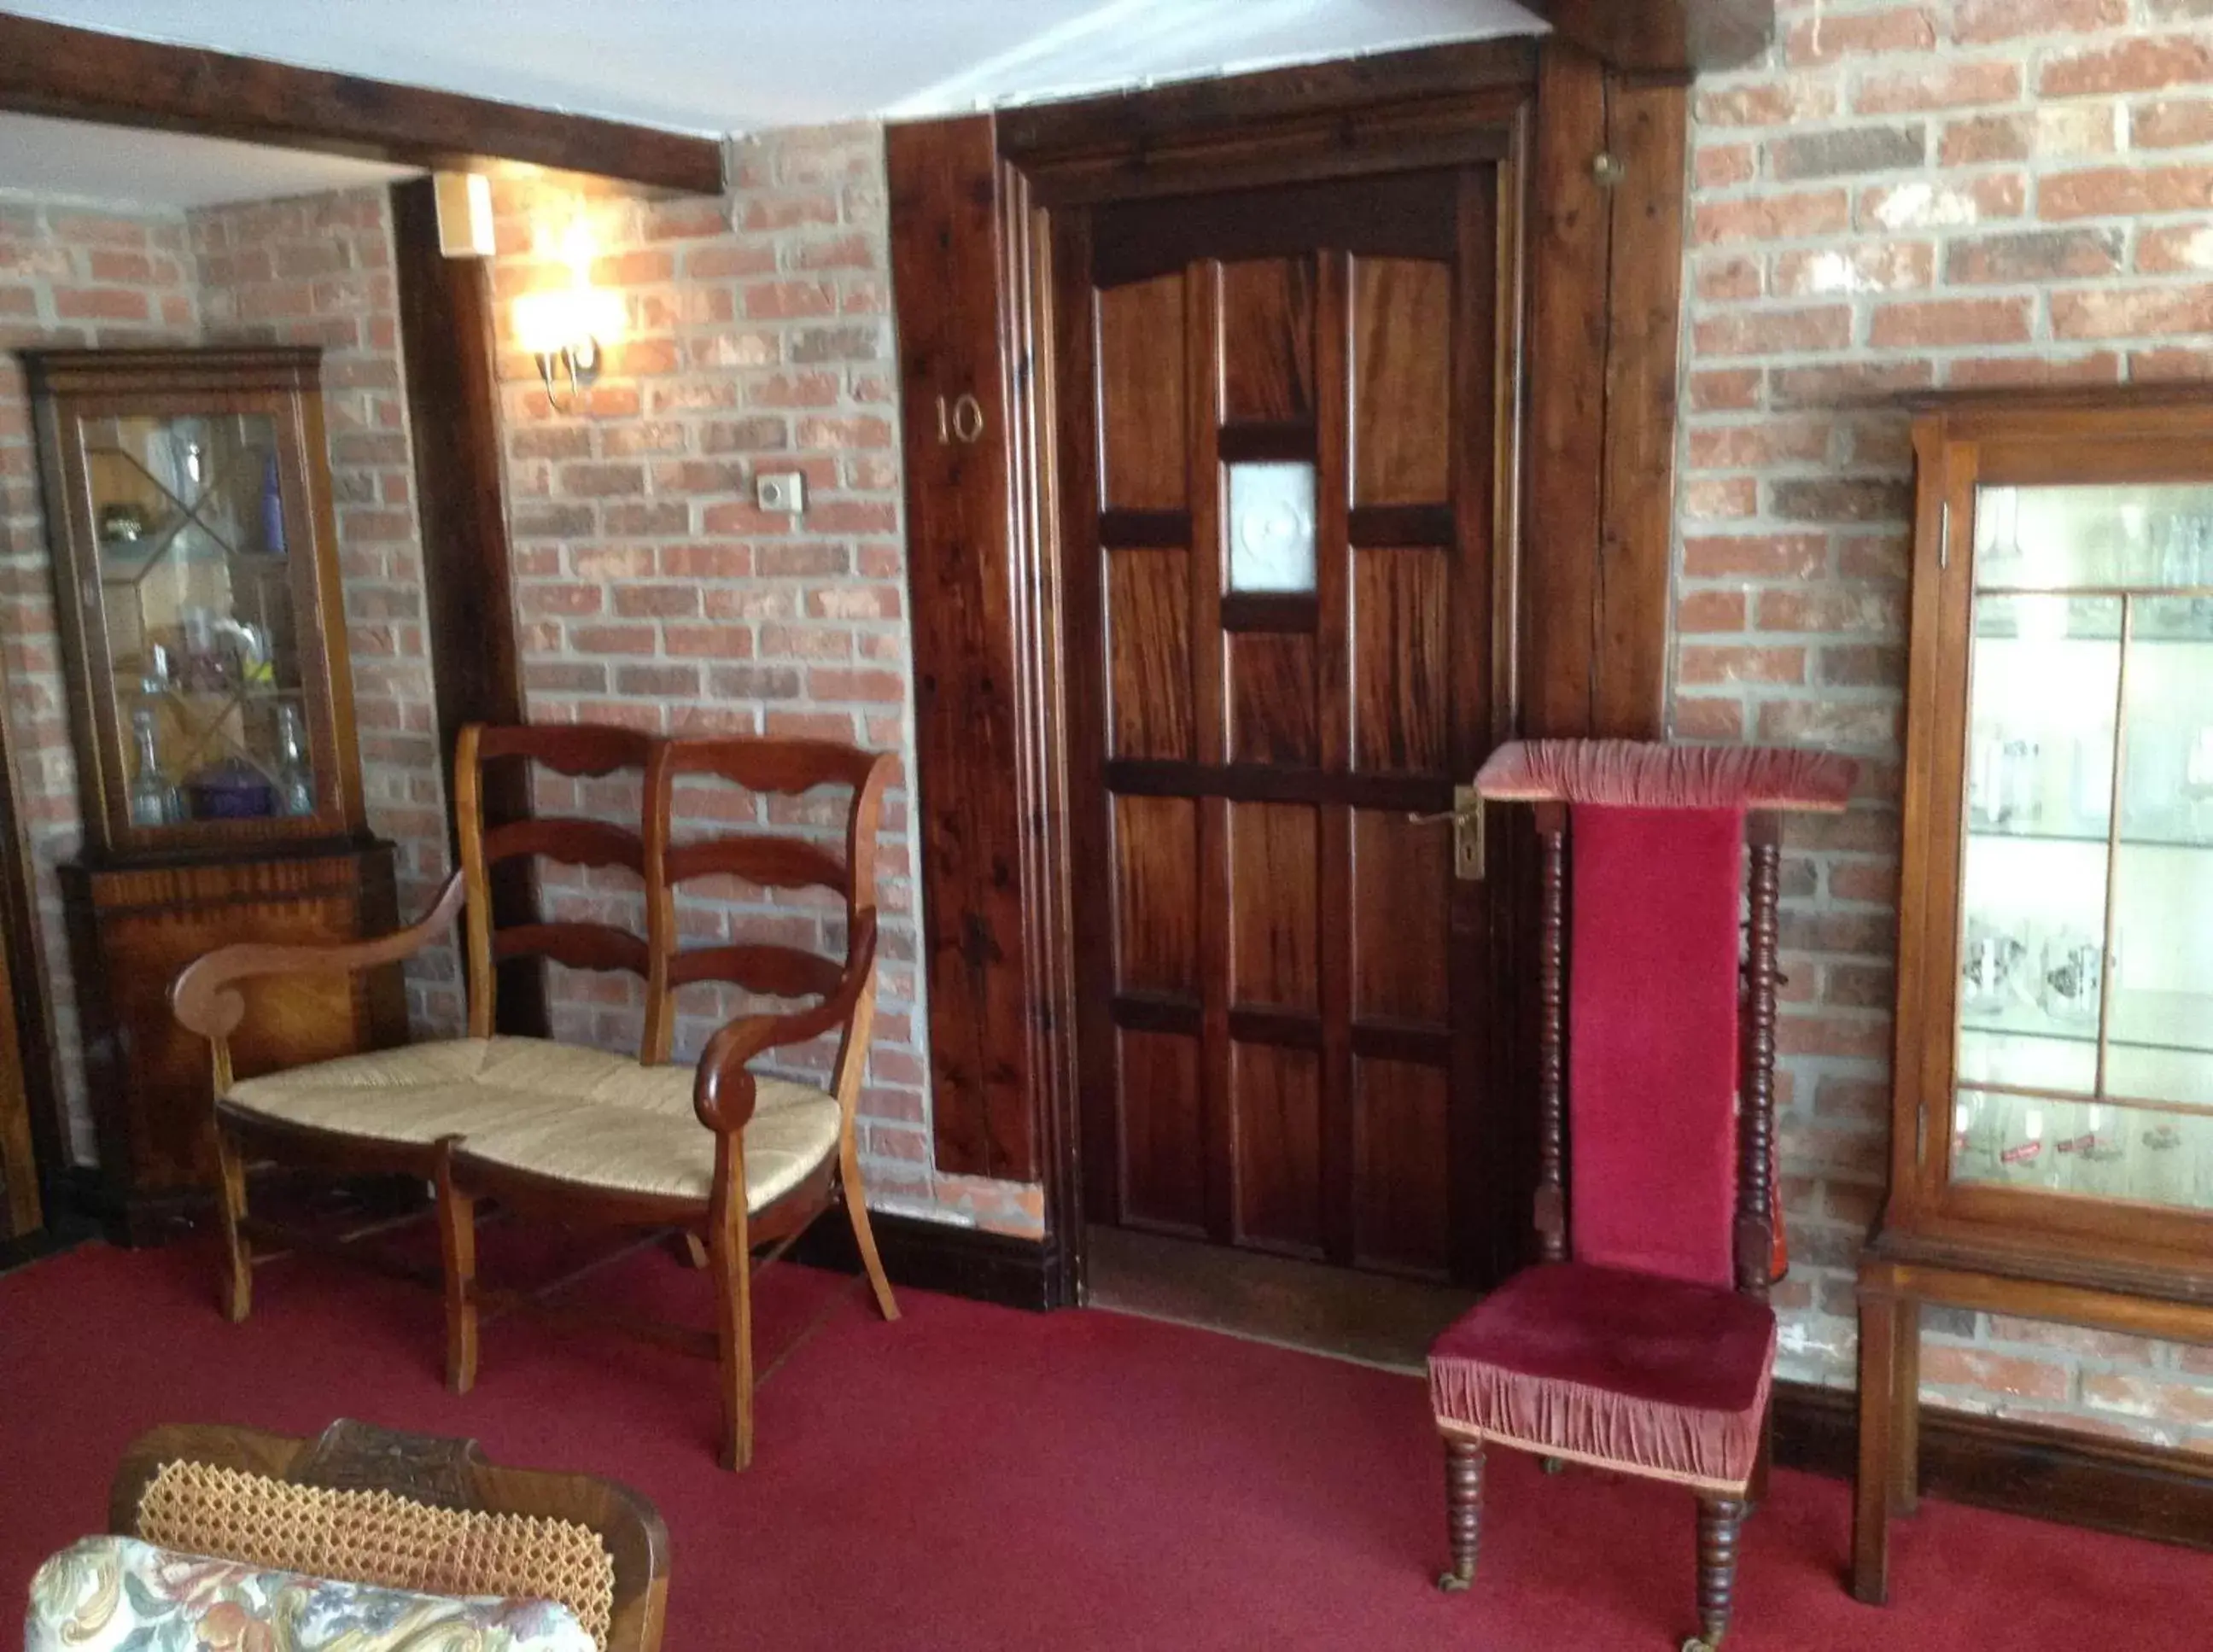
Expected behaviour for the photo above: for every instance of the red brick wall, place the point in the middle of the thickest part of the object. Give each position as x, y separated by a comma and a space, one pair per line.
652, 591
1961, 192
318, 269
71, 278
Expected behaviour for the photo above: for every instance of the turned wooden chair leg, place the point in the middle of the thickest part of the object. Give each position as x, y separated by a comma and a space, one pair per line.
1463, 1510
1719, 1520
457, 1239
230, 1203
688, 1248
730, 1255
864, 1237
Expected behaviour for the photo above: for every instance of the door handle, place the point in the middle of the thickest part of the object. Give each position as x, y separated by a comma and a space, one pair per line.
1466, 817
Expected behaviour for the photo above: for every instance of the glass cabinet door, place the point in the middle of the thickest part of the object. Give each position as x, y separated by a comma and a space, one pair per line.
199, 608
2084, 1048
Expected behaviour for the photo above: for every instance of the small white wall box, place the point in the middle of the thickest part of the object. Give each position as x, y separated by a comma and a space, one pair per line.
784, 492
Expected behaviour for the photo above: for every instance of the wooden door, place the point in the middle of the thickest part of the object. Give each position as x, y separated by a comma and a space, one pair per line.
1279, 460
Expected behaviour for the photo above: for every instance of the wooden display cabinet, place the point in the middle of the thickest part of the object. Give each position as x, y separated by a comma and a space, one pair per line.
2052, 1124
189, 509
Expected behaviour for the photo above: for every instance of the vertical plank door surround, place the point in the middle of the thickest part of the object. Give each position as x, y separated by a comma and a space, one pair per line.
1282, 985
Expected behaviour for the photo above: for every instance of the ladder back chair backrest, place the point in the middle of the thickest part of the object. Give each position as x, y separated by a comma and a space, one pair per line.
578, 752
769, 860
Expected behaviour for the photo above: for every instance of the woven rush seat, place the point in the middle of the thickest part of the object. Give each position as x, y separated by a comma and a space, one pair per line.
591, 1116
1609, 1367
649, 1141
421, 1094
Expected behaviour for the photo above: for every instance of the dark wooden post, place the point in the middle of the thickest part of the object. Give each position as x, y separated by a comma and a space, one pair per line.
446, 335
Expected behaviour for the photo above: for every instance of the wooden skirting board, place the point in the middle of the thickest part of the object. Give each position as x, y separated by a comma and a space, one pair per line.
2023, 1468
971, 1262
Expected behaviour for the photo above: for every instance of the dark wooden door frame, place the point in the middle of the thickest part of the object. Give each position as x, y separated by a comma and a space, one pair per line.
1598, 283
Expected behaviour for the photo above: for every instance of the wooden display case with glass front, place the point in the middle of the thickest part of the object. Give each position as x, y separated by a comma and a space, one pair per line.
2053, 1129
206, 636
189, 513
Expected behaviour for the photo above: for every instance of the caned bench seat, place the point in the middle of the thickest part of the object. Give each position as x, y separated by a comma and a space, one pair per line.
591, 1116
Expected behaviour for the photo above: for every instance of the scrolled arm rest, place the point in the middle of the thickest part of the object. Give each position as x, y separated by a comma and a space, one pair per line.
723, 1092
204, 995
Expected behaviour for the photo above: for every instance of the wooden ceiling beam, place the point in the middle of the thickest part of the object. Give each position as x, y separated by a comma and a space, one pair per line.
1664, 37
76, 73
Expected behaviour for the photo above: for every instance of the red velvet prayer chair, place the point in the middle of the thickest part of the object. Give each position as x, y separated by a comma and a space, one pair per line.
1643, 1342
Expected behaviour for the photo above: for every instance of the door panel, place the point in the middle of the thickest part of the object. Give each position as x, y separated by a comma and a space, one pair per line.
1401, 933
1148, 646
1278, 446
1164, 1176
1273, 689
1405, 1156
1278, 1105
1268, 339
1156, 905
1402, 382
1401, 666
1275, 862
1142, 386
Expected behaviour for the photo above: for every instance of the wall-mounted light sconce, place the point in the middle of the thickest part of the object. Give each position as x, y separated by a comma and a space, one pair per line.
567, 329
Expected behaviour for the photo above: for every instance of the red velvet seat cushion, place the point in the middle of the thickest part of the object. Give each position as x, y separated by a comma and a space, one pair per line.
1663, 1377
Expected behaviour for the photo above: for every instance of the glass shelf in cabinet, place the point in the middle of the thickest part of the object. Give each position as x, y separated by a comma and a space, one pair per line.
2086, 835
2138, 1019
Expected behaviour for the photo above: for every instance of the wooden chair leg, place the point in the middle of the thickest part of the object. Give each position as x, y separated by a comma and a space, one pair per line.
1463, 1510
688, 1248
237, 1249
730, 1255
457, 1240
864, 1237
1719, 1520
1905, 1409
1871, 1495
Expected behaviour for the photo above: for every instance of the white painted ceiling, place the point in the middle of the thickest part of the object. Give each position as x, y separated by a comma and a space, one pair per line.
739, 65
710, 66
119, 166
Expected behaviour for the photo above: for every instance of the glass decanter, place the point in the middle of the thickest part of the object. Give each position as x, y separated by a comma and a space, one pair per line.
153, 799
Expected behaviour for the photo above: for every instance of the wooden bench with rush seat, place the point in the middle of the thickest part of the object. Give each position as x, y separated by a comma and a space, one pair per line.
733, 1160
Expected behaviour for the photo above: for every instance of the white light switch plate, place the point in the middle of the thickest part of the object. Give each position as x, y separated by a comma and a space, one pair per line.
783, 492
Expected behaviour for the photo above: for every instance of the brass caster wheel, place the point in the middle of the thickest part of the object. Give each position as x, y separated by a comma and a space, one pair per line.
1451, 1583
1558, 1465
1695, 1644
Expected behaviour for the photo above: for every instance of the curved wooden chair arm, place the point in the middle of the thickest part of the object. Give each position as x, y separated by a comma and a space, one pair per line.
722, 1093
203, 996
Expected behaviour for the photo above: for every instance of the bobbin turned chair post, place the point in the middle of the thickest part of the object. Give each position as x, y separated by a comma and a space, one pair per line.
1643, 1340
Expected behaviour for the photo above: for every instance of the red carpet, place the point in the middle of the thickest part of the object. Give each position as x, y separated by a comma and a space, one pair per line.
975, 1478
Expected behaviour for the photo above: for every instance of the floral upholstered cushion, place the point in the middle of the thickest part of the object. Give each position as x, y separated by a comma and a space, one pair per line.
118, 1594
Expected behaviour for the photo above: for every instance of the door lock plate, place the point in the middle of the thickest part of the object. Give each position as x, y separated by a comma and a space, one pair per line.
1467, 834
